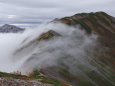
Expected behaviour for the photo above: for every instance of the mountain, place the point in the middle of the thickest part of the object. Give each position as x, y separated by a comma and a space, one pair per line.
100, 23
35, 42
10, 29
78, 50
16, 79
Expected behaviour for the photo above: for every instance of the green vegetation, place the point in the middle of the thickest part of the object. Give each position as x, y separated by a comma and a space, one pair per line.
16, 76
105, 78
108, 16
86, 27
46, 36
34, 75
99, 79
83, 25
65, 18
78, 79
82, 14
51, 81
69, 23
102, 19
92, 18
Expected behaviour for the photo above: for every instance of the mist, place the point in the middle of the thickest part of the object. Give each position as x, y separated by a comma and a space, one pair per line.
46, 53
73, 42
73, 51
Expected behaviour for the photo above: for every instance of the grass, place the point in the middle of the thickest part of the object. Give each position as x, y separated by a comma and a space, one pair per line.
43, 79
108, 16
16, 76
51, 81
102, 19
84, 25
34, 75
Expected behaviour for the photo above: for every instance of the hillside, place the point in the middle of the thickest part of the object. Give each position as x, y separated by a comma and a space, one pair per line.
78, 50
102, 25
33, 79
99, 23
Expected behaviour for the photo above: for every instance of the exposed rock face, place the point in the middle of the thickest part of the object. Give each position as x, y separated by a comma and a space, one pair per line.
10, 29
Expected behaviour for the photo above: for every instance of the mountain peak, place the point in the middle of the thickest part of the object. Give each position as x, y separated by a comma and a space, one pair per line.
6, 28
48, 35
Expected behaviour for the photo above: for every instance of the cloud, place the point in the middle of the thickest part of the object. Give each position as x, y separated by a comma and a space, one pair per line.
34, 11
48, 53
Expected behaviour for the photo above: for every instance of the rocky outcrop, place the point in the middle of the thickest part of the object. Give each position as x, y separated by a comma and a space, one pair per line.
10, 29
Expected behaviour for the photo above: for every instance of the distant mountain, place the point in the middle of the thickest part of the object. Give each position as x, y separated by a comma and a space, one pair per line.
10, 29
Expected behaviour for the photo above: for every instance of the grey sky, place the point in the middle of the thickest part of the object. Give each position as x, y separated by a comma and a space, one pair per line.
30, 13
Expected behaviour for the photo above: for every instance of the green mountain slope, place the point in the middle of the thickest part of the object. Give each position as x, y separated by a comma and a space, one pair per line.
96, 67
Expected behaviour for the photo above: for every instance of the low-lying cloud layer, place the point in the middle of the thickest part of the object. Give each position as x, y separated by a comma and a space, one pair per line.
70, 46
30, 13
73, 42
71, 54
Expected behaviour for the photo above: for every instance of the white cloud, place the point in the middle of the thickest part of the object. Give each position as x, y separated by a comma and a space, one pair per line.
11, 16
36, 11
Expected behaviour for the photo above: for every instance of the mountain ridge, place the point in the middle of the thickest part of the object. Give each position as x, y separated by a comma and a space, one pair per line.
99, 22
102, 25
101, 57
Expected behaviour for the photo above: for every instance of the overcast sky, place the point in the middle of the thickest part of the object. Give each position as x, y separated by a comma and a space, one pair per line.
30, 13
